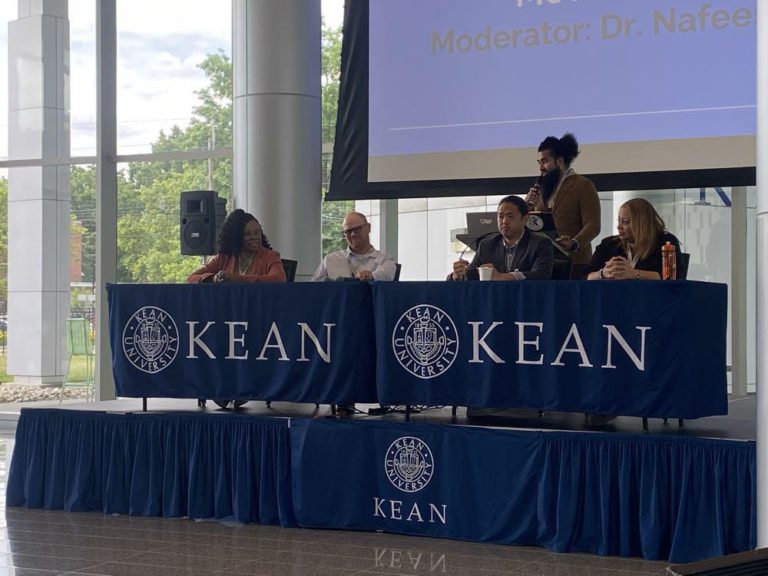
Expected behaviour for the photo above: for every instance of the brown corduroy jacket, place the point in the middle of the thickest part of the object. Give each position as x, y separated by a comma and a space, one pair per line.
576, 212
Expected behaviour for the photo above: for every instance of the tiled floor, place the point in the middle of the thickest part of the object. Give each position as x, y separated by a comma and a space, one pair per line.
39, 542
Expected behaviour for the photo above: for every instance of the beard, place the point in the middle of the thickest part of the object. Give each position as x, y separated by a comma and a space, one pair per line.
549, 183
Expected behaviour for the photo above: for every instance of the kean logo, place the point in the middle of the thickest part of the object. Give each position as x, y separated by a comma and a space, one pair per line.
409, 464
150, 339
535, 223
425, 342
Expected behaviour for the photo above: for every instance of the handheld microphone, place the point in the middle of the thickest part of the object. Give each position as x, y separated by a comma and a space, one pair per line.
535, 189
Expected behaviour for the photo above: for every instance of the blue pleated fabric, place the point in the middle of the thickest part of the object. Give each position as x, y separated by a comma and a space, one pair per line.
235, 466
658, 497
672, 498
676, 499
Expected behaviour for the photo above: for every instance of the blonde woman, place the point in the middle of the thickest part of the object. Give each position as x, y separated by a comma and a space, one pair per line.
635, 252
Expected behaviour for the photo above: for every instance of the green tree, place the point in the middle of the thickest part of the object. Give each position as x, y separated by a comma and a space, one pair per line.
148, 240
83, 208
148, 192
148, 225
210, 125
329, 83
332, 212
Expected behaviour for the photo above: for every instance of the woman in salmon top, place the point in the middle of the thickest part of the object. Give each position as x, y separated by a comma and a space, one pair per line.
244, 254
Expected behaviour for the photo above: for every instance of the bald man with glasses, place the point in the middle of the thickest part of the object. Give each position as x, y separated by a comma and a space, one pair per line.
360, 260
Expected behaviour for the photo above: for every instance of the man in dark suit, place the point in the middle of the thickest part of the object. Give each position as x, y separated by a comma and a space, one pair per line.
513, 254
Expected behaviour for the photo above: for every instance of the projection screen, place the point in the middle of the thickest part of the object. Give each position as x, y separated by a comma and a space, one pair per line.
448, 97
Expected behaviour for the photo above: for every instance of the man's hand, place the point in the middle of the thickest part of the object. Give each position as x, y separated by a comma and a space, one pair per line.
460, 269
496, 275
364, 275
566, 242
532, 198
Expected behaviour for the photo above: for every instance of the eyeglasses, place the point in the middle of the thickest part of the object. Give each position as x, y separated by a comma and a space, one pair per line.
350, 231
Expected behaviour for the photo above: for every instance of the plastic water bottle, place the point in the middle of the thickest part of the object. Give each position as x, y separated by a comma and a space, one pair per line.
668, 262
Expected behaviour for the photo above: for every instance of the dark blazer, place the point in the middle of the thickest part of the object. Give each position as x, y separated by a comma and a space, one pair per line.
611, 247
533, 257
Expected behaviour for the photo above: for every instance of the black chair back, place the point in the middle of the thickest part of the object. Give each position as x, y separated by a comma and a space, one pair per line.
290, 268
561, 269
682, 267
398, 267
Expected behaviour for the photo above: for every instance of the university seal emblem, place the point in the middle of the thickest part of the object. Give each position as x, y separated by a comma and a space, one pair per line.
150, 339
425, 341
409, 464
535, 223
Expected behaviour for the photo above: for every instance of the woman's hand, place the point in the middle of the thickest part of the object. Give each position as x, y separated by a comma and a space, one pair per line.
223, 276
618, 268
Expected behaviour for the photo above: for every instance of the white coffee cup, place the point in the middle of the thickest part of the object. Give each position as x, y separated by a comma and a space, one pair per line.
485, 273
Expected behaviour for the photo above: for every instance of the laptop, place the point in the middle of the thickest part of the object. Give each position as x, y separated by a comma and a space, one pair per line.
479, 225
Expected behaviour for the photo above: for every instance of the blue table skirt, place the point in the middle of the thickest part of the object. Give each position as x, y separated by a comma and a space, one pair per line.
659, 497
171, 465
651, 349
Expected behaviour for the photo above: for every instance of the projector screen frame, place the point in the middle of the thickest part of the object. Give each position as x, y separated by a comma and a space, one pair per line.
349, 169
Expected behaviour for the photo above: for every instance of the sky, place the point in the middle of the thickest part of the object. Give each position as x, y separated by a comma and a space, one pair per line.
157, 65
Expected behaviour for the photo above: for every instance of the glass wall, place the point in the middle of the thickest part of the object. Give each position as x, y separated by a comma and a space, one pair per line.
174, 96
174, 81
82, 79
8, 12
148, 216
82, 66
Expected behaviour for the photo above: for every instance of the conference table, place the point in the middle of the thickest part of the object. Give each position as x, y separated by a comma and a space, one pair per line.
647, 349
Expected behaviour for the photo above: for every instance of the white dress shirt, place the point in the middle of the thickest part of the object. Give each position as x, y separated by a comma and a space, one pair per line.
346, 264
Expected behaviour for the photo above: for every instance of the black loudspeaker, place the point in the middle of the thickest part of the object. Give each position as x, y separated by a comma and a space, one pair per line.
201, 214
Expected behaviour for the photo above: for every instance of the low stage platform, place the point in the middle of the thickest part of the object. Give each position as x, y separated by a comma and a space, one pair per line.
676, 494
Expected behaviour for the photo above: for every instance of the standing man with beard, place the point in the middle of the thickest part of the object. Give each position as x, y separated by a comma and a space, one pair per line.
571, 198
